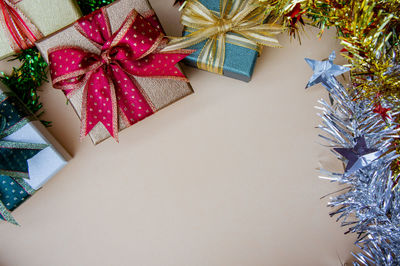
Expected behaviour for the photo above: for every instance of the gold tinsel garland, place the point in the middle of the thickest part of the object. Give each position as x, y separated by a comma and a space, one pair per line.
369, 32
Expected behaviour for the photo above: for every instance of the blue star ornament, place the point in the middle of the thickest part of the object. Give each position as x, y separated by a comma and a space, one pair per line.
324, 71
359, 156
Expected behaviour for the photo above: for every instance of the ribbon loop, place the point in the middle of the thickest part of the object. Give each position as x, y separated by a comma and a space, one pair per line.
21, 32
109, 88
95, 27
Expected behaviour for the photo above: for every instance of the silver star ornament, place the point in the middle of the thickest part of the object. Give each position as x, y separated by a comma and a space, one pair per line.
325, 71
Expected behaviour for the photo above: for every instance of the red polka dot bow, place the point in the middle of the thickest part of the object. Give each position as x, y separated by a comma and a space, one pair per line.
110, 90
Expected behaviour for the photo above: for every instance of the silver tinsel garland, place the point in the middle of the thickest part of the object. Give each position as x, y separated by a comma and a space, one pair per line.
369, 206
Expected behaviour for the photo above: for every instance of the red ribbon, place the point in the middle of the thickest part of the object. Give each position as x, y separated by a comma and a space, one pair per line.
21, 32
109, 89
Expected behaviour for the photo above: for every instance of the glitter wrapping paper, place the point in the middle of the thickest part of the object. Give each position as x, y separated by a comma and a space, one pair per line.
239, 61
48, 16
42, 167
161, 92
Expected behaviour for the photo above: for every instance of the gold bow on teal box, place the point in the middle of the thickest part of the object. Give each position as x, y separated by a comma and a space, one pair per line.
13, 158
239, 22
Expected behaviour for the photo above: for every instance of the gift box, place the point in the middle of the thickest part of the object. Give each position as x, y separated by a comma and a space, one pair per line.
111, 66
29, 155
228, 46
239, 61
25, 21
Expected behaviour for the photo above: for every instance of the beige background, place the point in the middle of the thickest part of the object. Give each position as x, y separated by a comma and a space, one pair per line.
226, 176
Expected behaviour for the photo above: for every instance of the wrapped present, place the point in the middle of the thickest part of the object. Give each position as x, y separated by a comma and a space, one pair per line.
112, 67
29, 155
23, 22
227, 34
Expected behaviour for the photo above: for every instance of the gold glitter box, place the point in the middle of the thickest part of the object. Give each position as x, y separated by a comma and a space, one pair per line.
160, 92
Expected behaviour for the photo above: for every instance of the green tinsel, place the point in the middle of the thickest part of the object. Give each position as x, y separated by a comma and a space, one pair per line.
88, 6
25, 80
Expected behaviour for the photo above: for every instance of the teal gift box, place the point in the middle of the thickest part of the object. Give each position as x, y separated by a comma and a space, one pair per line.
29, 155
239, 61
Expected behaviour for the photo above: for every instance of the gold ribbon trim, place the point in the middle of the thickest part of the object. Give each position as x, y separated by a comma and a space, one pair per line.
239, 21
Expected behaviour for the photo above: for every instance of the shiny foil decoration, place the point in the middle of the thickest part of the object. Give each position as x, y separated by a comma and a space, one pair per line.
368, 30
368, 206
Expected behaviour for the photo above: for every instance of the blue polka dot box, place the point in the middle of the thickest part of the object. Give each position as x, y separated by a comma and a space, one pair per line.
29, 155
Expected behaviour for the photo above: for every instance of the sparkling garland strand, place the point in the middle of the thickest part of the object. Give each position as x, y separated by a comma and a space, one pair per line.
25, 80
368, 30
88, 6
368, 205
